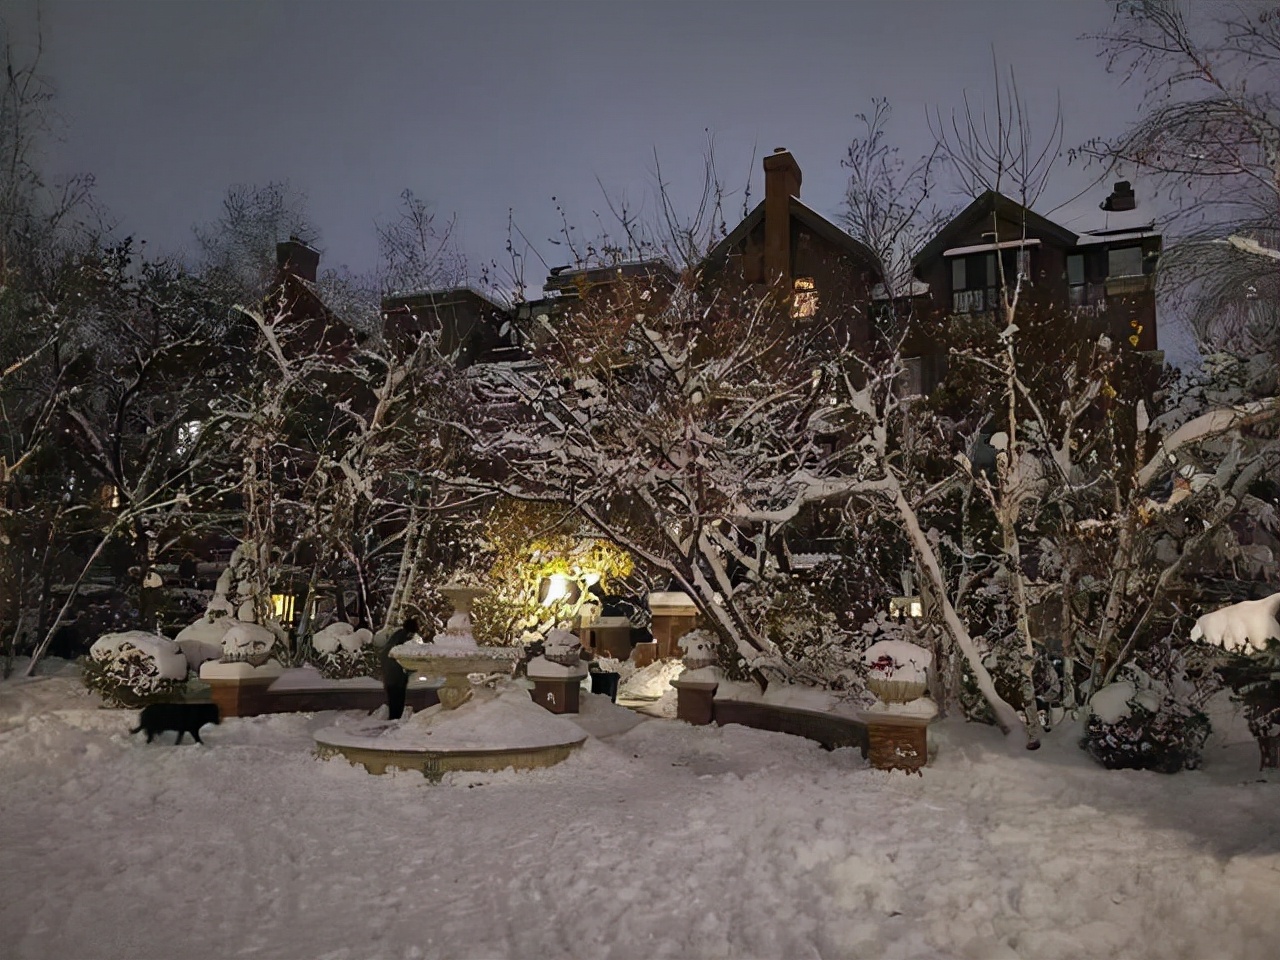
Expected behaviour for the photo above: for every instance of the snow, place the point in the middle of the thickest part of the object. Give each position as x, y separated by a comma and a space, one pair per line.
898, 660
650, 682
171, 663
202, 640
662, 840
341, 636
492, 719
1111, 703
1244, 627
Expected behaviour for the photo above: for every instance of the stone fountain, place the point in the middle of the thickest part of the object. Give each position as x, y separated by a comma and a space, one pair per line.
484, 726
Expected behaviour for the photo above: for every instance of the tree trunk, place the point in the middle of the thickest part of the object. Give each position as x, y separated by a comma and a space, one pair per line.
1006, 717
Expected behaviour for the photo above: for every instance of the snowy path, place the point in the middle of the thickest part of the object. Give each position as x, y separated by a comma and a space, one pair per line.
665, 841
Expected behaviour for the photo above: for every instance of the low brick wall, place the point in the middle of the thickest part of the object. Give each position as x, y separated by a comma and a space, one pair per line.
828, 729
256, 698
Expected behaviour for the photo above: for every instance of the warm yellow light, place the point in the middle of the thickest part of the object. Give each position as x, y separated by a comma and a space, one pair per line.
282, 606
555, 589
906, 607
804, 302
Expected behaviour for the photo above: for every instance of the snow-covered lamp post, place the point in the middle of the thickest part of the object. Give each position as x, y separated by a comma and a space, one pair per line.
696, 687
897, 725
557, 674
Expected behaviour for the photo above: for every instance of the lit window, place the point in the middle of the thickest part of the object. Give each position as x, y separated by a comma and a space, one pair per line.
902, 607
805, 301
1124, 262
282, 607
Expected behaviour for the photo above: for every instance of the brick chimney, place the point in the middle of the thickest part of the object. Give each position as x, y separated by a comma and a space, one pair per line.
1122, 197
295, 257
781, 183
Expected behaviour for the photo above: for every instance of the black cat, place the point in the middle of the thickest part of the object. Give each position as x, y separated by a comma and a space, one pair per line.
183, 717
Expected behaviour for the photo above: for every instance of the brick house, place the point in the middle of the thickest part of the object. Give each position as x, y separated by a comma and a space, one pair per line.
1104, 279
820, 271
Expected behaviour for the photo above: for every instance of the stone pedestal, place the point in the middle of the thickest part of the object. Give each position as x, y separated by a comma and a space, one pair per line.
609, 637
644, 654
895, 743
695, 701
674, 615
558, 695
897, 734
556, 685
239, 689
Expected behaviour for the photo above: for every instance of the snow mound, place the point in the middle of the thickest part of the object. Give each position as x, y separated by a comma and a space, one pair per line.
170, 662
898, 660
1243, 627
1111, 703
507, 719
341, 636
651, 682
203, 640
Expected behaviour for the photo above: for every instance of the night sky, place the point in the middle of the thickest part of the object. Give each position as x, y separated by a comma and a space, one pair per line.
481, 107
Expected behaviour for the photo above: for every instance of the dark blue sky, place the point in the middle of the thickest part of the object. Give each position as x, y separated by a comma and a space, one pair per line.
479, 107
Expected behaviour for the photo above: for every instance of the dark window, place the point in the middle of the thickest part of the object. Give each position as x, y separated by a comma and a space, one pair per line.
1124, 262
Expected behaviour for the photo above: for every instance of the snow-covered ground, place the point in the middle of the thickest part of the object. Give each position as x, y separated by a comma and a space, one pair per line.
661, 841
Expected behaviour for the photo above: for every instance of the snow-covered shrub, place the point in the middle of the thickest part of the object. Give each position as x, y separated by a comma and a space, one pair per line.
132, 668
341, 652
202, 640
801, 620
1142, 723
990, 613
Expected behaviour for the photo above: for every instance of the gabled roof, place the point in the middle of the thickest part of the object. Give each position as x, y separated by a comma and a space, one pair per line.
439, 296
815, 221
982, 208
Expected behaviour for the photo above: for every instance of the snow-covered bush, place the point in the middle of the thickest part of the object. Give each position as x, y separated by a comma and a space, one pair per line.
990, 613
132, 668
1142, 723
202, 640
341, 652
800, 619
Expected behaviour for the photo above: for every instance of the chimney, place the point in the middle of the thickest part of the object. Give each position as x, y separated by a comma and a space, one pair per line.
295, 257
1121, 198
781, 183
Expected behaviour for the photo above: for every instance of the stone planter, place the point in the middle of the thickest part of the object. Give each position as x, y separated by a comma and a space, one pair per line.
896, 691
695, 700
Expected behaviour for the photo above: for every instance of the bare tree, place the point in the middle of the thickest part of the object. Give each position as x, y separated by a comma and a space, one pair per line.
1210, 137
418, 252
890, 206
238, 249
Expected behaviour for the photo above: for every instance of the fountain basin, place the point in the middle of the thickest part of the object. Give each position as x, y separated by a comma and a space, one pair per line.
496, 729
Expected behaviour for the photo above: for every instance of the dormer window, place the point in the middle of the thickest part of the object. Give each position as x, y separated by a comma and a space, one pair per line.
804, 299
1124, 262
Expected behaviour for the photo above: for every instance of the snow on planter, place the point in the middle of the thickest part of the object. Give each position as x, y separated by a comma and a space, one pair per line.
1243, 627
897, 670
247, 643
